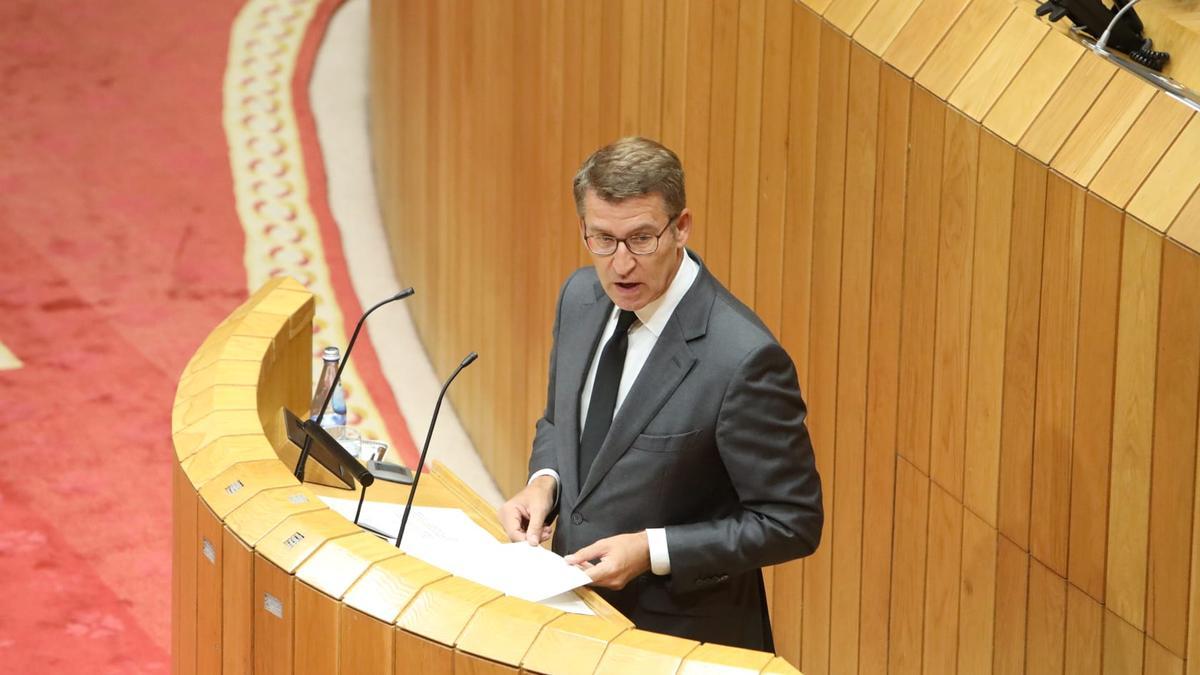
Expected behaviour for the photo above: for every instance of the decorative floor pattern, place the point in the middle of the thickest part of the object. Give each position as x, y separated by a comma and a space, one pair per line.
8, 360
283, 236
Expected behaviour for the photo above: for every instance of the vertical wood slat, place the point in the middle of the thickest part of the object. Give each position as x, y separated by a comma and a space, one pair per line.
651, 78
773, 165
1012, 593
1085, 626
698, 117
852, 338
977, 595
952, 327
747, 135
918, 304
822, 359
989, 304
1020, 351
503, 31
1046, 627
1123, 646
674, 90
209, 591
438, 174
1193, 618
366, 645
1173, 460
801, 189
314, 640
273, 635
629, 67
552, 172
942, 577
1096, 355
722, 132
879, 459
908, 569
1133, 415
185, 557
1159, 659
1057, 328
797, 259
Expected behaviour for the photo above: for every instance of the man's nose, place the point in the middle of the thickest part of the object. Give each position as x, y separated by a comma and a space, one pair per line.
623, 260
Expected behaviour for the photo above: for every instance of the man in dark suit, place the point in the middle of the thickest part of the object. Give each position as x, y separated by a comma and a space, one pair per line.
673, 449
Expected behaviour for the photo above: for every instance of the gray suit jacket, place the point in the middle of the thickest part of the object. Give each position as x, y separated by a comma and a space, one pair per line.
710, 443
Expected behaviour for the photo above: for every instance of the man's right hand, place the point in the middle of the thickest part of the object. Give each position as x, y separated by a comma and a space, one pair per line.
524, 516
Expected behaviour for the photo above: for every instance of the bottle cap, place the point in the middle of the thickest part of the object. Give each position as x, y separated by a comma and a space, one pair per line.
331, 354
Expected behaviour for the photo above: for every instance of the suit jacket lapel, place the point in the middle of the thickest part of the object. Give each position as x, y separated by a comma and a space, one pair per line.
669, 362
576, 357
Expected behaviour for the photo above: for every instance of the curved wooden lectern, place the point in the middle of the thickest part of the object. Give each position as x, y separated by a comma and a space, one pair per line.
267, 579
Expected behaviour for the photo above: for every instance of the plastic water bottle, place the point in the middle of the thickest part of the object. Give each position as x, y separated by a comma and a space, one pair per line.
336, 417
330, 357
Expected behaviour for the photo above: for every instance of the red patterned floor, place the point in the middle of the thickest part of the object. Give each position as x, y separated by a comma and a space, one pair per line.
120, 249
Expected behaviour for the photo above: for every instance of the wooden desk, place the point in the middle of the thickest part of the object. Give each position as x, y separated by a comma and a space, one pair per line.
267, 579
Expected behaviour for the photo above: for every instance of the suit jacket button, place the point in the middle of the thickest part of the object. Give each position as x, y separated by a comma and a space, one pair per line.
576, 518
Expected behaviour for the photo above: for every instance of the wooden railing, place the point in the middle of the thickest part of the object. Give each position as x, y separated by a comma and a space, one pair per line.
267, 579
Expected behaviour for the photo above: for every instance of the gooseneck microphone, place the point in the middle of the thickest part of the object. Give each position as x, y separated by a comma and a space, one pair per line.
429, 435
304, 450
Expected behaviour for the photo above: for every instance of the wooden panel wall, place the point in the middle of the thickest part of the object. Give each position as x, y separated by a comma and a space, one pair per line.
926, 201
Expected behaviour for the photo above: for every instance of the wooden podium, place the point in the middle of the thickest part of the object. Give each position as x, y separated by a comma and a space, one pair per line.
267, 579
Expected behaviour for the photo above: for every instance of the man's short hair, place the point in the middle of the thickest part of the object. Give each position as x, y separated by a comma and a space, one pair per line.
632, 167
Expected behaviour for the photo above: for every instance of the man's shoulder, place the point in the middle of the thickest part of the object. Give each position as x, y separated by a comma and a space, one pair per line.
580, 285
737, 325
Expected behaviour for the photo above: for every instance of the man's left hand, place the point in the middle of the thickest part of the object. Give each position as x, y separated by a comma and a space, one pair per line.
621, 559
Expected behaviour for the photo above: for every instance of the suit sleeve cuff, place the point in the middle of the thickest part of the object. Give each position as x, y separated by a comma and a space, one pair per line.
660, 560
554, 474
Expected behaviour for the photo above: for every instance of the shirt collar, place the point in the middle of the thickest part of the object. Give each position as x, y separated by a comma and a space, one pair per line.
655, 314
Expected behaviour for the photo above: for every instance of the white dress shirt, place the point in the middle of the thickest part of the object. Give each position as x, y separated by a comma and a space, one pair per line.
643, 335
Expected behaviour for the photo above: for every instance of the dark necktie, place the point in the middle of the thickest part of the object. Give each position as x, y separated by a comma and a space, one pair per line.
604, 394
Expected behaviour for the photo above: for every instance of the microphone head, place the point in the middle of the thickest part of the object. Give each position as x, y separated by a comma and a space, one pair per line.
404, 293
469, 360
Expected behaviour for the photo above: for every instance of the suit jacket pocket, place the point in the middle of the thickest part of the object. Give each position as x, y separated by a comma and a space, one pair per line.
656, 597
669, 443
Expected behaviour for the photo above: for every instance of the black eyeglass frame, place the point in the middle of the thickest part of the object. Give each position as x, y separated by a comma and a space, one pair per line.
587, 240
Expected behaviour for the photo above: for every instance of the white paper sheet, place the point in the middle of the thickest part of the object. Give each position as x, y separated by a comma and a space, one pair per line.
449, 539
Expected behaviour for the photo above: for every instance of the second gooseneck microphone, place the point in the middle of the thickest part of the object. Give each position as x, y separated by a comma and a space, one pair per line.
304, 450
429, 435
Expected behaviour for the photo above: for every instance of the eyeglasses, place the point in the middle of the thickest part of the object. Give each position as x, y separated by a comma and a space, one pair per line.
638, 244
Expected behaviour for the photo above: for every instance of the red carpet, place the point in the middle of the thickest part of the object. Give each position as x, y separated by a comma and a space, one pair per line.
120, 251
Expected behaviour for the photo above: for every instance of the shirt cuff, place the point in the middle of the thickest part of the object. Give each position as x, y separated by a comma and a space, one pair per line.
554, 474
660, 560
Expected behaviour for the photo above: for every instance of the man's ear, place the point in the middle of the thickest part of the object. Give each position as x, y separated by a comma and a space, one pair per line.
683, 228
